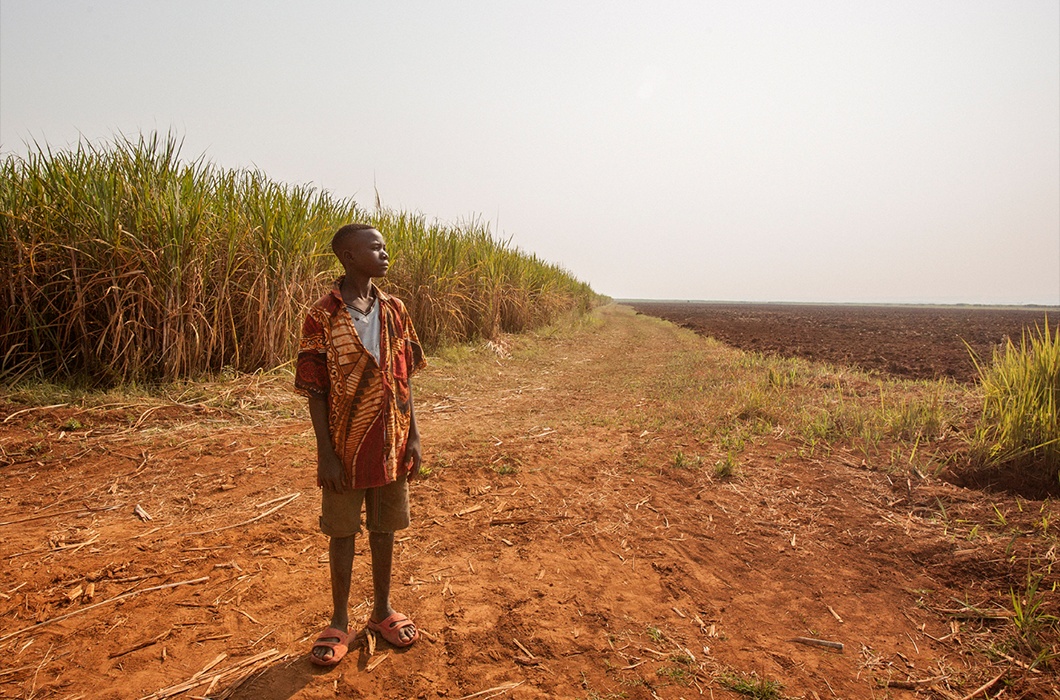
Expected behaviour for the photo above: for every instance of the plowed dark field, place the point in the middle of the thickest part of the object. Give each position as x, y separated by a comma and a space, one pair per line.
914, 342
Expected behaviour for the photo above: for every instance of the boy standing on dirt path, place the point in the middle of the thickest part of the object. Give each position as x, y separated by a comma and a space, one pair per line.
357, 352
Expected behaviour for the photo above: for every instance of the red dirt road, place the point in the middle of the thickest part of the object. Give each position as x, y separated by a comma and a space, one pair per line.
913, 342
572, 541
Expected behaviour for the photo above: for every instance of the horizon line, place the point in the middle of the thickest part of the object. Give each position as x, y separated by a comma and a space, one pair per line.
1024, 305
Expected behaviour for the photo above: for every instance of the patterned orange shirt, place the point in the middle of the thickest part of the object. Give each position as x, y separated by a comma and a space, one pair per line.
369, 404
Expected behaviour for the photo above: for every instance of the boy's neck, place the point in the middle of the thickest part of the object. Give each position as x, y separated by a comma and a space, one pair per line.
355, 286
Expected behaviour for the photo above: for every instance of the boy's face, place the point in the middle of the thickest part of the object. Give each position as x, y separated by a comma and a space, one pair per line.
366, 254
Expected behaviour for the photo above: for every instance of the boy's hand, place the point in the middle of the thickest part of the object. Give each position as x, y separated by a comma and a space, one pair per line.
330, 473
413, 455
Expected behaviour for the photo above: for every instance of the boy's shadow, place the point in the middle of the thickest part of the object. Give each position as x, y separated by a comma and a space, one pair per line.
285, 679
278, 682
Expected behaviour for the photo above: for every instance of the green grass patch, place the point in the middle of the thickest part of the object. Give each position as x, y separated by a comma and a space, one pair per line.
676, 674
683, 461
752, 686
1020, 421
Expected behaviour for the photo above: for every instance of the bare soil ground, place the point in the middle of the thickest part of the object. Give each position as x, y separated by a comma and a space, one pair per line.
914, 342
573, 540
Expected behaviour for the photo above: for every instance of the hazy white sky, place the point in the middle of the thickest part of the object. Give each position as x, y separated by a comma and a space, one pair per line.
843, 151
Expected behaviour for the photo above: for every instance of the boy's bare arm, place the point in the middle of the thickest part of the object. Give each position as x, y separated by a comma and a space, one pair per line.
413, 451
330, 473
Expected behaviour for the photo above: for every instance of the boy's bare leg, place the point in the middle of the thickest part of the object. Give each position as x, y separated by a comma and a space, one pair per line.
340, 555
382, 544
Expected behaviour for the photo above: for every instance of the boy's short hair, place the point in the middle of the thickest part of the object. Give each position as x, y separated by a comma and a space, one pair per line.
345, 233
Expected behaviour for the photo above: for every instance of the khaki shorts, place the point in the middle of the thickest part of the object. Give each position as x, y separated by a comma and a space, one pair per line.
386, 509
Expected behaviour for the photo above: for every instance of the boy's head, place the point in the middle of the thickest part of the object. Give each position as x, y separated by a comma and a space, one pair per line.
361, 250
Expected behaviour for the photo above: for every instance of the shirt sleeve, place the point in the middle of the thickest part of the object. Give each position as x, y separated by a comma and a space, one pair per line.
311, 368
414, 357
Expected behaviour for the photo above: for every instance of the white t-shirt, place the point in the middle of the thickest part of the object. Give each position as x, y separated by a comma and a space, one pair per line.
367, 327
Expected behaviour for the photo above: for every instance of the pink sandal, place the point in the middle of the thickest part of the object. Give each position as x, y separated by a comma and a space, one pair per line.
391, 628
338, 648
